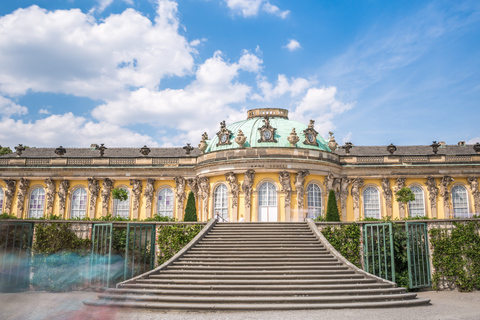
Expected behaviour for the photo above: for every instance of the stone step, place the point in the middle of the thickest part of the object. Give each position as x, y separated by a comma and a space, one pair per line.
255, 250
265, 282
259, 230
263, 241
259, 293
258, 256
257, 276
259, 245
258, 271
256, 264
279, 235
229, 259
187, 267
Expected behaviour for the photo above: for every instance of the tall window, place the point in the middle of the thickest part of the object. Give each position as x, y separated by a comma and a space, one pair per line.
416, 208
122, 208
460, 202
79, 203
314, 201
371, 203
220, 205
165, 202
36, 203
267, 202
1, 199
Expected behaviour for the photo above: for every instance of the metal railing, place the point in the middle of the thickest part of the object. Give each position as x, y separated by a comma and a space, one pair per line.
418, 255
378, 250
139, 249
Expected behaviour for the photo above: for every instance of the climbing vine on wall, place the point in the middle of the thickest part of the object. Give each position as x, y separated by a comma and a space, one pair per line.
173, 238
346, 240
456, 257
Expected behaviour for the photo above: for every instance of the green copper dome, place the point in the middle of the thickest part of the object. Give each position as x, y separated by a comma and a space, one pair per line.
277, 122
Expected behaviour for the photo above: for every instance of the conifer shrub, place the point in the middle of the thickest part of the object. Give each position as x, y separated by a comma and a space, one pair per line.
190, 210
332, 208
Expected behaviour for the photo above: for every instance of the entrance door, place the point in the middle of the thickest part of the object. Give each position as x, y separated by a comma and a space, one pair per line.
267, 203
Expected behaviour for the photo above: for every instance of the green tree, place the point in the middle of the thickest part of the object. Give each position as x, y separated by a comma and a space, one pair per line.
190, 210
405, 195
119, 194
5, 150
332, 208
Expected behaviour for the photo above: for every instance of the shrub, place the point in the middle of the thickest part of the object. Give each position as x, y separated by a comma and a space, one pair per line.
190, 210
332, 208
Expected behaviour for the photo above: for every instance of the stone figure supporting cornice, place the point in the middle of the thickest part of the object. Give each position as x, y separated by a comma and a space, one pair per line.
204, 190
62, 196
180, 193
329, 182
193, 185
106, 192
387, 195
9, 193
232, 180
400, 185
473, 182
136, 192
344, 183
50, 195
149, 192
356, 185
247, 187
445, 193
300, 188
23, 186
94, 190
284, 177
432, 194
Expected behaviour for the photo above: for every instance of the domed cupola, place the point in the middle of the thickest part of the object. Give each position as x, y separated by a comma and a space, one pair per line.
264, 128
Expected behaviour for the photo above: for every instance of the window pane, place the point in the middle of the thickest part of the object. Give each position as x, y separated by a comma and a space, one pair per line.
37, 203
416, 207
165, 202
314, 201
460, 202
220, 205
371, 203
79, 203
122, 208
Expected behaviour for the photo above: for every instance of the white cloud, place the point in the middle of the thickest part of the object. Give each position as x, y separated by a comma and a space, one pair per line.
347, 138
103, 4
473, 141
67, 51
321, 105
292, 45
75, 131
43, 111
295, 87
8, 107
250, 8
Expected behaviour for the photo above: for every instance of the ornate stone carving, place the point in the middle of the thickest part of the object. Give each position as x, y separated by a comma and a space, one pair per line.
400, 184
9, 193
444, 192
62, 194
145, 150
267, 132
202, 146
310, 134
232, 180
102, 149
344, 183
60, 151
23, 186
347, 147
94, 190
293, 138
332, 144
149, 192
435, 146
107, 190
180, 191
224, 135
391, 148
50, 195
193, 185
356, 185
473, 182
284, 177
387, 192
247, 186
300, 187
188, 148
240, 139
19, 149
329, 182
432, 191
204, 189
136, 192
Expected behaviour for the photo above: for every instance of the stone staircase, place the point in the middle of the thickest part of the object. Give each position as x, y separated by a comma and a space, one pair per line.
257, 266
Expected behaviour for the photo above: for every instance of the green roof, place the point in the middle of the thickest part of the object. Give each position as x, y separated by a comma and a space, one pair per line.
250, 130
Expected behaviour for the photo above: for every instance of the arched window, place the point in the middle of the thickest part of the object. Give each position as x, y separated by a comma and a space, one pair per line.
165, 202
267, 202
416, 208
122, 208
79, 203
460, 202
314, 201
220, 204
1, 200
371, 203
36, 203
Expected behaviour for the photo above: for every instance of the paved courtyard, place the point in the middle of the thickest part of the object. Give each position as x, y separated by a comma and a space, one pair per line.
41, 305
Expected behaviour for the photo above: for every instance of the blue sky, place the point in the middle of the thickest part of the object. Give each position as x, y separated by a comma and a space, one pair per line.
131, 72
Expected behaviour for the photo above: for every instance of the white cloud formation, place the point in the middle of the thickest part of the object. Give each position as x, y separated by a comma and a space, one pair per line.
75, 131
292, 45
473, 141
295, 87
321, 105
43, 111
250, 8
67, 51
8, 107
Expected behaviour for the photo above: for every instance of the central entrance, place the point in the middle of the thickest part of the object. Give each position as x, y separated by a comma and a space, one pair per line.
267, 202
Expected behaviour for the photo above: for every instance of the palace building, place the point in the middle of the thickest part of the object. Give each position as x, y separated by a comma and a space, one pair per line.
264, 168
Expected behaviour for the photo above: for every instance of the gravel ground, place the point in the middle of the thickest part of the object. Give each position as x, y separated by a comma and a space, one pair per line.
52, 306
